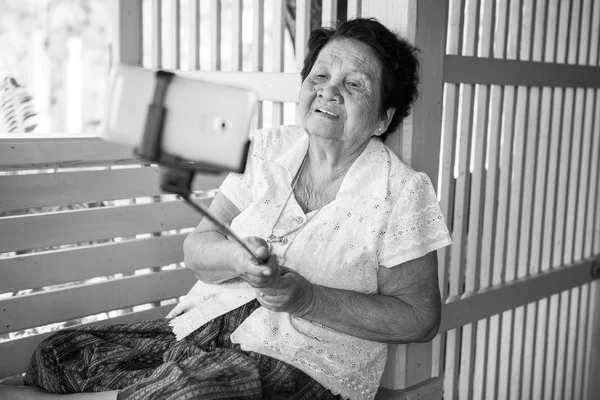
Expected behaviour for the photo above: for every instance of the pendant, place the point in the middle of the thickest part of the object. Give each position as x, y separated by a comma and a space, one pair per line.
276, 239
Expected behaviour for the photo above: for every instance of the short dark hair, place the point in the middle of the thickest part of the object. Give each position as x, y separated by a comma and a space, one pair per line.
398, 58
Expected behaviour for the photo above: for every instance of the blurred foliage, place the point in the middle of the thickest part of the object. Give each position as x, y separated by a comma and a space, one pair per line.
57, 21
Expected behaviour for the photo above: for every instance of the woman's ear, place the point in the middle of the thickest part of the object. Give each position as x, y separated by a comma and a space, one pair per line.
385, 122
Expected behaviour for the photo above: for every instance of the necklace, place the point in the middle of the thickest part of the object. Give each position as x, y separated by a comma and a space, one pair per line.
283, 238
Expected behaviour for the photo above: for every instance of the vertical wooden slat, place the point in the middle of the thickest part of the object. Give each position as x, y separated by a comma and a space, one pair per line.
594, 56
215, 35
454, 27
539, 228
593, 198
513, 35
572, 341
127, 32
278, 29
354, 9
537, 53
527, 30
258, 46
477, 225
581, 356
236, 42
175, 34
574, 31
566, 131
561, 348
585, 33
157, 15
551, 31
576, 172
489, 238
501, 30
329, 13
525, 234
194, 32
514, 268
591, 383
302, 31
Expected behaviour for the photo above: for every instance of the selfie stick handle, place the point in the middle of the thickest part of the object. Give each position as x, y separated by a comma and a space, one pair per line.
176, 178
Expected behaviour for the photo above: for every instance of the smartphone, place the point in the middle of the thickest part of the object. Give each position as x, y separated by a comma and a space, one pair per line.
205, 123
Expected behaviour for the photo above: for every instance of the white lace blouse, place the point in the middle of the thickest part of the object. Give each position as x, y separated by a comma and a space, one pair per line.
384, 214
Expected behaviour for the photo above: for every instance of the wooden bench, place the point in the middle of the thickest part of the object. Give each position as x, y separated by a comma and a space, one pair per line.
88, 239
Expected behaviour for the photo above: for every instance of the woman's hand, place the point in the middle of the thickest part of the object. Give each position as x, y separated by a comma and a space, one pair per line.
291, 293
257, 275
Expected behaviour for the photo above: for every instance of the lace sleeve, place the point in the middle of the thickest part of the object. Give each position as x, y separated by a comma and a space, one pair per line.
238, 187
416, 225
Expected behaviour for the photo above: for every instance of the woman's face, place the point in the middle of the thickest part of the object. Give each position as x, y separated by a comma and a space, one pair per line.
340, 97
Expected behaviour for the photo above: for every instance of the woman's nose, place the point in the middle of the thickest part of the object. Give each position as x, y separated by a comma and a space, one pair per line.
330, 92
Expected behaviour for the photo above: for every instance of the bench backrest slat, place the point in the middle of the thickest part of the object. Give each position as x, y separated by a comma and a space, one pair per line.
79, 226
36, 270
42, 308
21, 192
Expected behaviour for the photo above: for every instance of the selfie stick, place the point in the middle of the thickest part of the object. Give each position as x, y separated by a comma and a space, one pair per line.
178, 174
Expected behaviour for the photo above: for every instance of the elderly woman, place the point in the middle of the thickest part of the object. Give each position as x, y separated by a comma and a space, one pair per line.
344, 236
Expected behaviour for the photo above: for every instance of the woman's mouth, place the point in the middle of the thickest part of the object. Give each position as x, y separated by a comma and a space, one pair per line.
326, 113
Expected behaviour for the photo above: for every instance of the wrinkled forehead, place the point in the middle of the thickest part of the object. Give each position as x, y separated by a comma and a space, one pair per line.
351, 55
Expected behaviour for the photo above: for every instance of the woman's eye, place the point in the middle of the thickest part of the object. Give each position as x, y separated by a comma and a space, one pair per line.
353, 85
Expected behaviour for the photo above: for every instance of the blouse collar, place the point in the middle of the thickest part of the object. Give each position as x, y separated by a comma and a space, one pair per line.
289, 151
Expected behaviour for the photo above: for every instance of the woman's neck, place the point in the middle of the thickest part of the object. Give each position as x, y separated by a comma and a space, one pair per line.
322, 175
328, 161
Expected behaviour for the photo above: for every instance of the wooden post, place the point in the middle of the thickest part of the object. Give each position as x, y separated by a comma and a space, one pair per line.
127, 32
417, 141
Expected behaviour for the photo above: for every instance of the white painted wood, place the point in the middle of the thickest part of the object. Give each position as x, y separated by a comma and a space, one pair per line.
16, 354
552, 179
28, 311
513, 33
540, 349
591, 385
278, 32
594, 54
593, 196
564, 23
127, 32
215, 35
585, 33
302, 31
501, 30
236, 36
582, 331
539, 31
156, 58
551, 31
561, 190
525, 36
282, 87
511, 295
194, 34
51, 229
574, 187
354, 9
460, 220
329, 13
574, 37
551, 346
21, 192
572, 341
491, 380
174, 34
561, 348
50, 153
48, 268
585, 184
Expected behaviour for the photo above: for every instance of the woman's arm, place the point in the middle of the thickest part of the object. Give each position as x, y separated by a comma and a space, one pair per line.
210, 255
407, 308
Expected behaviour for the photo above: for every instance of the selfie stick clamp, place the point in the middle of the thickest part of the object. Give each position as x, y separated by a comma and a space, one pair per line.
177, 175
